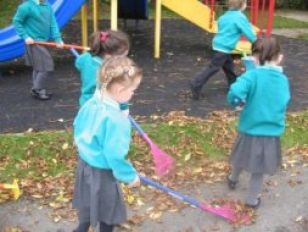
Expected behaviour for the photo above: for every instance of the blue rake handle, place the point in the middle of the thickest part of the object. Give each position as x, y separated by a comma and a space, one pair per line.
140, 130
222, 212
171, 192
74, 52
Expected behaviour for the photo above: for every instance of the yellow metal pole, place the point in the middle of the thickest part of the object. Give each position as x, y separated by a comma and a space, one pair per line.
84, 25
157, 29
114, 14
95, 15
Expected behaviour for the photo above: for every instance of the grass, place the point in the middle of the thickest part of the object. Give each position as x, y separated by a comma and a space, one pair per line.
303, 36
283, 22
52, 153
7, 10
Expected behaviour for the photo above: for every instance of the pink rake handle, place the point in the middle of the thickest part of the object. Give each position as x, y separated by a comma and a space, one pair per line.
221, 211
163, 162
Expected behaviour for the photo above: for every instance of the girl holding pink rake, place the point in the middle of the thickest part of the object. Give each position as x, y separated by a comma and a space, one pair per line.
265, 91
102, 134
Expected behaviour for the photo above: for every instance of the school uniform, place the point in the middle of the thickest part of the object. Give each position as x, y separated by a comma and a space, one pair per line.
102, 135
37, 21
265, 91
231, 26
88, 66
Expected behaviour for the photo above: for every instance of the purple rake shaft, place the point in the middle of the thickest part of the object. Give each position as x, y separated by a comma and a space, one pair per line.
224, 212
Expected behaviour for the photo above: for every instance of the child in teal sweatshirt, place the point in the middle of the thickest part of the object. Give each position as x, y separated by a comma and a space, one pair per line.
231, 26
104, 44
102, 134
35, 21
265, 91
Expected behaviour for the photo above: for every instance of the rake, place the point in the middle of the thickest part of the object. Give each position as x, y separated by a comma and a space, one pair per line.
224, 212
65, 46
163, 162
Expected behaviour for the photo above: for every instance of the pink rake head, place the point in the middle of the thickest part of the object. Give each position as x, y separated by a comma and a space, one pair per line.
230, 212
222, 211
163, 162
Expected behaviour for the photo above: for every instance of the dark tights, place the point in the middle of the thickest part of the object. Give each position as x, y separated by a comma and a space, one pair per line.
103, 227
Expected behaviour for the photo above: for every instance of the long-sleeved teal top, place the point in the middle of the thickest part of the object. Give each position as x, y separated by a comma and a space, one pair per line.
102, 134
265, 91
88, 67
231, 26
37, 21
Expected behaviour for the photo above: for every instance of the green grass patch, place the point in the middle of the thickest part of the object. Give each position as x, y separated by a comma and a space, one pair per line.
50, 153
283, 22
35, 154
296, 131
303, 36
7, 11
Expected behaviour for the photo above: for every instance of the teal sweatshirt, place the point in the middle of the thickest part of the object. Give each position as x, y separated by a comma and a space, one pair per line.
265, 91
102, 134
231, 26
88, 66
37, 21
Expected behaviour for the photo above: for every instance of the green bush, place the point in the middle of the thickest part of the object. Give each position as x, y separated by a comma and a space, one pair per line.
292, 4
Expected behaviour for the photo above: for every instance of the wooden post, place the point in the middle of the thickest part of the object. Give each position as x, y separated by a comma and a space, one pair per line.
157, 29
84, 25
114, 14
95, 15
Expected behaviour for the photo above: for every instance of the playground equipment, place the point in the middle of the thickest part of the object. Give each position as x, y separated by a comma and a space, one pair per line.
200, 13
13, 187
11, 46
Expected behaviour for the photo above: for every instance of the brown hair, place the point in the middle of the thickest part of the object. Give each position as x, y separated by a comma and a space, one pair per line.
256, 47
118, 69
109, 42
270, 49
236, 4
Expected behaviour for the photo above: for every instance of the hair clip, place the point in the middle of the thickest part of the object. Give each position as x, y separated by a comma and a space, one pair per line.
104, 36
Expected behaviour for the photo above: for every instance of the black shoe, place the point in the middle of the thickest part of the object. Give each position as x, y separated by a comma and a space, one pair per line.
195, 92
40, 94
231, 183
254, 206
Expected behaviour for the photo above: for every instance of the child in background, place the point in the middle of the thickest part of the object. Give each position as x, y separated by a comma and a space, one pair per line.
103, 45
35, 21
265, 90
231, 26
102, 134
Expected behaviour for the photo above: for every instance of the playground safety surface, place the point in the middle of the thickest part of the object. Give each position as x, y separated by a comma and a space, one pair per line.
185, 51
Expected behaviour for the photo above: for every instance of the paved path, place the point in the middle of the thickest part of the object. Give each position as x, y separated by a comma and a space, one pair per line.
284, 209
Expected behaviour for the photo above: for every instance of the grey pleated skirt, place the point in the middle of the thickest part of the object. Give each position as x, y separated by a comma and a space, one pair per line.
98, 196
256, 154
39, 58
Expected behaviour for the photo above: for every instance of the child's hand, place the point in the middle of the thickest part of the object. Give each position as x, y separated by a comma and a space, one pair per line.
134, 183
29, 40
60, 44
